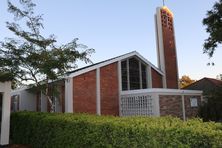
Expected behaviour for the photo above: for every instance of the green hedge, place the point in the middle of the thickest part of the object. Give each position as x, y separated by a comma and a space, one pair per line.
81, 130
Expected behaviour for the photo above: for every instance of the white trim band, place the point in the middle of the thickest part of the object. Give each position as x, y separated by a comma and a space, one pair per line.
98, 97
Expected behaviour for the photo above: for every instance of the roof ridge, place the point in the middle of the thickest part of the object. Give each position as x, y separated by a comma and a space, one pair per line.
212, 79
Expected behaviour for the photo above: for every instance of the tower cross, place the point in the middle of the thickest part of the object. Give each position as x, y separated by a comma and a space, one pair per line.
163, 2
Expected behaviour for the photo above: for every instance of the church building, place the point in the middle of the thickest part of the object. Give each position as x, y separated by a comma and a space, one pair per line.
126, 85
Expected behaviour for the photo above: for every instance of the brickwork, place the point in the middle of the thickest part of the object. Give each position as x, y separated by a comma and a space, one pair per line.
109, 90
169, 49
171, 105
84, 93
191, 111
156, 79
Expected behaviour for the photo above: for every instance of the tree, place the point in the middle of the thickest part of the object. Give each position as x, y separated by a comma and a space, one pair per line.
33, 58
213, 23
219, 77
185, 81
5, 77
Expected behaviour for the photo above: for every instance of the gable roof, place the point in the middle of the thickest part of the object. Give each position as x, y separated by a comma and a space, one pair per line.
204, 84
110, 61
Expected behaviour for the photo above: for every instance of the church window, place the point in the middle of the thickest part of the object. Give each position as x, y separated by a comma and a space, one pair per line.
144, 76
134, 74
124, 75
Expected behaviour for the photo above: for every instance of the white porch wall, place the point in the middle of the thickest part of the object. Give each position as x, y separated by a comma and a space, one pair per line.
5, 89
69, 95
27, 100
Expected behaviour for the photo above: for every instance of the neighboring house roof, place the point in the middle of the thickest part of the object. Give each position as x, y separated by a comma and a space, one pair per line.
214, 81
205, 84
110, 61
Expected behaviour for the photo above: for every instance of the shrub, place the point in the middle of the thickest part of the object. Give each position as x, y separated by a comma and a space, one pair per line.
82, 130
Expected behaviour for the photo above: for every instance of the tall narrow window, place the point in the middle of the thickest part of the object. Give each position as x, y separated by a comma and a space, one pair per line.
144, 76
135, 73
124, 75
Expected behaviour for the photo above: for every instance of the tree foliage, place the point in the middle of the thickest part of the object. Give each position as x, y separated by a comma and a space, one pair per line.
185, 81
219, 77
5, 77
213, 23
30, 56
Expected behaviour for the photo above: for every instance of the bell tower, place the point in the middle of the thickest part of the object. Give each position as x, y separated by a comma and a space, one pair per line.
166, 47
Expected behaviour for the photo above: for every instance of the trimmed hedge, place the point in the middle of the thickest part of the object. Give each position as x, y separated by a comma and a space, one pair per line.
54, 130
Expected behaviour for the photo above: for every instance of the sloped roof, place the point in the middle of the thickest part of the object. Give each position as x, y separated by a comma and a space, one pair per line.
110, 61
214, 81
205, 84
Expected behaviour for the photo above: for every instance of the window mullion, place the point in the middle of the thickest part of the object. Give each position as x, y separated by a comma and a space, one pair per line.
148, 75
140, 76
128, 79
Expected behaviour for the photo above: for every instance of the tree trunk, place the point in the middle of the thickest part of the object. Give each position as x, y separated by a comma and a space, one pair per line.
52, 107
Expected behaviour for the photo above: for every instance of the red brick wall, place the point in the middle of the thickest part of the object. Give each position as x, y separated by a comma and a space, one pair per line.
156, 79
109, 90
169, 50
191, 111
171, 105
84, 92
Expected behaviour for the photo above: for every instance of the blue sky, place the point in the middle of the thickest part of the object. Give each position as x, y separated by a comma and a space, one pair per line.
115, 27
